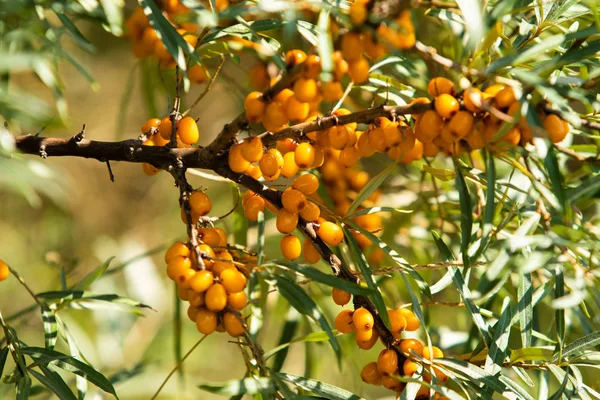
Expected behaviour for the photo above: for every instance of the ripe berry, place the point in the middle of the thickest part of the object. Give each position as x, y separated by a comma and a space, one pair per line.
197, 74
286, 145
446, 105
505, 97
304, 155
255, 107
349, 157
332, 91
200, 203
209, 236
351, 46
435, 353
312, 67
359, 70
363, 319
289, 168
412, 322
232, 280
268, 164
252, 149
233, 324
330, 233
236, 160
177, 265
183, 278
310, 253
216, 297
391, 383
192, 312
307, 184
237, 301
286, 221
429, 126
177, 249
338, 137
195, 298
275, 115
461, 124
296, 110
364, 336
4, 271
202, 281
408, 346
293, 200
343, 321
187, 129
473, 99
305, 89
494, 89
387, 362
397, 320
291, 247
151, 123
409, 367
340, 297
556, 127
370, 374
367, 344
440, 85
223, 261
294, 57
206, 321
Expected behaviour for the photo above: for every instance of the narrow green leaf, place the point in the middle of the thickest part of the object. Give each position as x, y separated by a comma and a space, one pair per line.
68, 363
370, 187
24, 387
525, 308
466, 215
302, 302
445, 251
559, 314
238, 387
473, 372
327, 279
74, 31
319, 388
580, 345
240, 222
50, 326
556, 179
287, 333
96, 273
531, 354
3, 356
261, 238
498, 349
490, 207
365, 269
54, 382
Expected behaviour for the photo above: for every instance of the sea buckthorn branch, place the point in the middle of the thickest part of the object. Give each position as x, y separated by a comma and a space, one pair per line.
365, 117
337, 266
225, 138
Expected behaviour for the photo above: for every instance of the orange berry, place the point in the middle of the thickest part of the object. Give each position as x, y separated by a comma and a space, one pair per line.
294, 57
291, 248
556, 127
429, 126
253, 206
304, 155
412, 322
252, 149
259, 77
200, 203
289, 168
236, 160
187, 129
201, 281
183, 278
216, 297
349, 157
286, 145
387, 362
494, 89
391, 383
254, 171
397, 320
207, 253
364, 336
440, 85
293, 200
178, 265
446, 105
150, 124
312, 67
409, 346
367, 344
359, 70
307, 184
351, 46
237, 301
206, 321
363, 319
305, 89
166, 128
340, 297
330, 233
232, 280
473, 99
286, 221
338, 137
435, 353
296, 110
177, 249
332, 91
223, 261
196, 299
275, 115
505, 97
269, 165
370, 374
255, 107
4, 271
461, 124
343, 321
233, 324
409, 367
310, 253
197, 74
358, 13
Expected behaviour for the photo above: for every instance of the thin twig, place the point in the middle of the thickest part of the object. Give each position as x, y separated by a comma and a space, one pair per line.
207, 88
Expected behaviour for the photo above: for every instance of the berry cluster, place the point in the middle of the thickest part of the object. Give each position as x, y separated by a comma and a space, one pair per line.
159, 133
214, 288
476, 119
146, 42
397, 34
